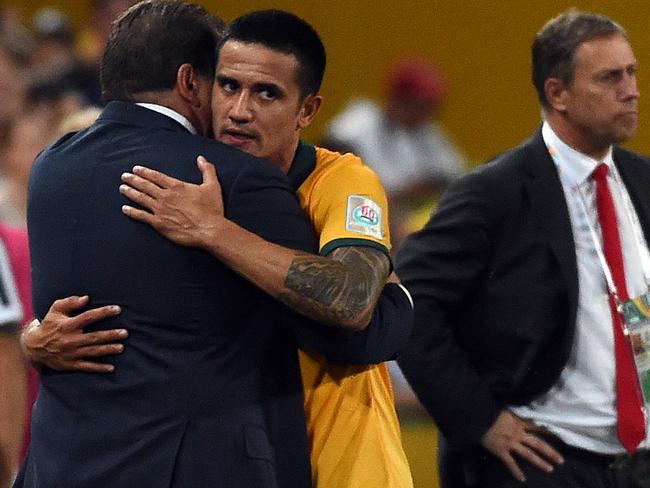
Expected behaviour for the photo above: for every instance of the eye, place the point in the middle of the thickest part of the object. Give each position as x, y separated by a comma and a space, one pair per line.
268, 94
228, 86
612, 76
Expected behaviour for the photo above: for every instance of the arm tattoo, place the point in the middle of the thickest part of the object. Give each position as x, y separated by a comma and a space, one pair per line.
341, 289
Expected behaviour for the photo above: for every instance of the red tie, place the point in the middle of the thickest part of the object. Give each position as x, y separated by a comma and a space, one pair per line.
629, 401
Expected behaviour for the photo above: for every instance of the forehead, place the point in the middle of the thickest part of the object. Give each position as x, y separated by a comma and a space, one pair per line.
604, 53
256, 63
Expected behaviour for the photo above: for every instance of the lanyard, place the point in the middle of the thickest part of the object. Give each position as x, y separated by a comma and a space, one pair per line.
628, 211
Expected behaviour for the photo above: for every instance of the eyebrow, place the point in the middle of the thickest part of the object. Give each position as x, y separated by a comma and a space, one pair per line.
227, 79
260, 86
271, 87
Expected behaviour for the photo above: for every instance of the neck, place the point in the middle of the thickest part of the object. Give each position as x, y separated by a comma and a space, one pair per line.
575, 138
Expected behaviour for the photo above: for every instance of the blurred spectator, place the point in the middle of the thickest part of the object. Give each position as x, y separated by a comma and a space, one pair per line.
13, 77
55, 60
30, 133
15, 307
102, 14
42, 82
79, 119
400, 141
54, 48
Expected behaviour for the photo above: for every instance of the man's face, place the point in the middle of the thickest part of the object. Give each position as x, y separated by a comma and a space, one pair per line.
601, 101
256, 102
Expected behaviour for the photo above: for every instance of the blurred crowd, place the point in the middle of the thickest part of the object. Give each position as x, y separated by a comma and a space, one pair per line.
48, 86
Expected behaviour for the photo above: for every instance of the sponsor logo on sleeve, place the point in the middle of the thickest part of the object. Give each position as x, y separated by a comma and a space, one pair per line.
363, 216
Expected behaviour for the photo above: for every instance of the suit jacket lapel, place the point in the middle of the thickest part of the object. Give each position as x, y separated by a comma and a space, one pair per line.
549, 205
635, 173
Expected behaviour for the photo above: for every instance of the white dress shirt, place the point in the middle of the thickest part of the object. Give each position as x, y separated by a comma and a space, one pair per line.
173, 114
581, 407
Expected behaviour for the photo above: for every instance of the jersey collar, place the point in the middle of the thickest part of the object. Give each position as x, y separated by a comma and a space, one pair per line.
303, 164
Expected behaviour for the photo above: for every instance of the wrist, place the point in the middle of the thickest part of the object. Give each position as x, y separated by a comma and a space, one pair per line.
25, 339
215, 235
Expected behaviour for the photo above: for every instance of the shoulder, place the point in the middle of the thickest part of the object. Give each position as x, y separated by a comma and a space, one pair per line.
232, 164
498, 184
347, 165
625, 156
500, 172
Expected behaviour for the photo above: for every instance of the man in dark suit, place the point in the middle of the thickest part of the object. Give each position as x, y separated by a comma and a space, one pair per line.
517, 350
188, 404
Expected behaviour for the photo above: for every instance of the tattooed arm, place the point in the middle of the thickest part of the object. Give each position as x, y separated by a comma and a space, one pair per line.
339, 289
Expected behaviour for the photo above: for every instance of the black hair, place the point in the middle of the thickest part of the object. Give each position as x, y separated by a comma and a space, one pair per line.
288, 34
150, 41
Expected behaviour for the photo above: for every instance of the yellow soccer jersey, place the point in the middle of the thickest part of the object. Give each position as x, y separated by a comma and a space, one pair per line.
353, 429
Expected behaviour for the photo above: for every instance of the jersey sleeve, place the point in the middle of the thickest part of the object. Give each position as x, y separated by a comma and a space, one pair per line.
351, 208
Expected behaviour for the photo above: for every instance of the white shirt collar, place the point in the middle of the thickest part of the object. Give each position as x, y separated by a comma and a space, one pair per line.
173, 114
577, 167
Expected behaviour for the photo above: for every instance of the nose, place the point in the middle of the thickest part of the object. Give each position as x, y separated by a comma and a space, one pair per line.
240, 111
630, 88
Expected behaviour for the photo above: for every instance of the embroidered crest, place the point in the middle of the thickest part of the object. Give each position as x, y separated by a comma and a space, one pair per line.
363, 216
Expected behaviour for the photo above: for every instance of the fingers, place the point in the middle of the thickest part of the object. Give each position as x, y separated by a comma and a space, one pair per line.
208, 171
88, 367
94, 351
511, 437
101, 337
135, 192
97, 314
513, 467
532, 457
139, 215
545, 449
69, 304
152, 176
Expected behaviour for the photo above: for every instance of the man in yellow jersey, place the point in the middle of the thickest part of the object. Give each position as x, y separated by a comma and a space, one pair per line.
269, 71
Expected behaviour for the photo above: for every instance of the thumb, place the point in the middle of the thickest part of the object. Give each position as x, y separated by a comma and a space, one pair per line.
208, 171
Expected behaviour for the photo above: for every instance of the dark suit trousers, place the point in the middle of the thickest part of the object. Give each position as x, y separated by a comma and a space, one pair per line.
581, 469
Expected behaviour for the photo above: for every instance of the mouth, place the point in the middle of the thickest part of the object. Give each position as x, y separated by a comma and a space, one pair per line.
236, 137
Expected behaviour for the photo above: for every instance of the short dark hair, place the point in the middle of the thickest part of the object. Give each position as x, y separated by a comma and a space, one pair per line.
287, 33
150, 41
555, 45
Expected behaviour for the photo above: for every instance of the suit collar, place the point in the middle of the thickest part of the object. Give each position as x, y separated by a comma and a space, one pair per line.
131, 114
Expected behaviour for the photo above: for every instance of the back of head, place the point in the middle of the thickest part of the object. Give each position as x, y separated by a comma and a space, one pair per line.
150, 41
555, 45
286, 33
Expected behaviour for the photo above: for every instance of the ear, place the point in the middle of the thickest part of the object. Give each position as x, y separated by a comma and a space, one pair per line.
308, 110
189, 84
556, 94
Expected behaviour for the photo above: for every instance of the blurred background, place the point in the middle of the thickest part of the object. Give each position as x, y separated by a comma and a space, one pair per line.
481, 101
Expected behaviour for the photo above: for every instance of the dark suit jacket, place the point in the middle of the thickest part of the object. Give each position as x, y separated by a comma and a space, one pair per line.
494, 279
207, 392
